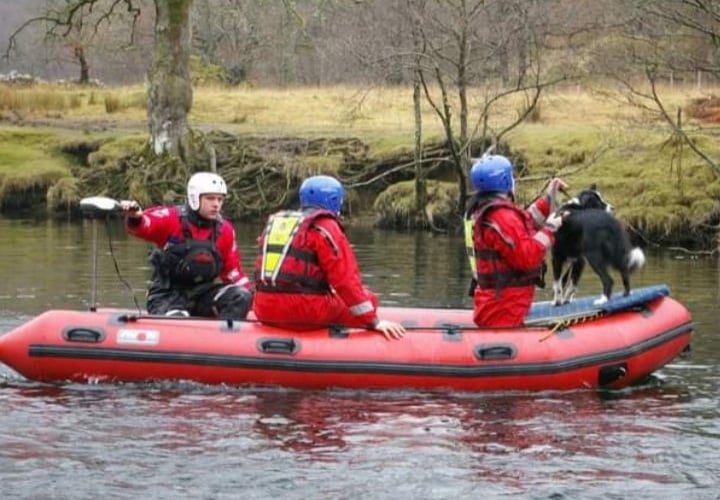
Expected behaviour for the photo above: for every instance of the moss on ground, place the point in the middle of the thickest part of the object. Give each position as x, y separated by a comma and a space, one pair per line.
663, 190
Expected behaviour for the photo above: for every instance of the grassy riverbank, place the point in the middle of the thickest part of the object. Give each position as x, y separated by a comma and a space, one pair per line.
658, 185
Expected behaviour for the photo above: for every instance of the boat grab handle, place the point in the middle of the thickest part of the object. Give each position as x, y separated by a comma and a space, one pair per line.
278, 346
495, 351
84, 334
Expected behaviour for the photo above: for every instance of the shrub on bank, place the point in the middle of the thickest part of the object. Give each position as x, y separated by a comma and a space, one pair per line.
658, 184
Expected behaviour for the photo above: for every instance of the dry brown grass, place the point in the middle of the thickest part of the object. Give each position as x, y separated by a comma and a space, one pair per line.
340, 110
706, 108
585, 134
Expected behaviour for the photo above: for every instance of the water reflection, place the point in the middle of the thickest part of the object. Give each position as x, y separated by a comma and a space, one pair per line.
47, 264
653, 437
184, 440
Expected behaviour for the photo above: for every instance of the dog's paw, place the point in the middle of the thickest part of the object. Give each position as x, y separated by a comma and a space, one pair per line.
602, 300
569, 295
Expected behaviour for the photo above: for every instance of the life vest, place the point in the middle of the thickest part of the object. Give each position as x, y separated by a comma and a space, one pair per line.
192, 262
286, 265
489, 270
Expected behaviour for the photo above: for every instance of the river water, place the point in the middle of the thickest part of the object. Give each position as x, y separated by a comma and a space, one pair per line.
659, 440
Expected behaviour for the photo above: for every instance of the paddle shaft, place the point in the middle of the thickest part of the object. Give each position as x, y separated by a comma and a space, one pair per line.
93, 267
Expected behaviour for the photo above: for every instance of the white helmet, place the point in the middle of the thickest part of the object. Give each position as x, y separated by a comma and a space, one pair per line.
204, 183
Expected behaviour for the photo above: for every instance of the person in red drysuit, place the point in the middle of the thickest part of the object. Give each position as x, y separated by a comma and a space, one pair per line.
197, 268
506, 245
306, 273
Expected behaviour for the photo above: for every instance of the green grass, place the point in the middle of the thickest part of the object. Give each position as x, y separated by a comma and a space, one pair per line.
34, 169
25, 157
583, 135
657, 188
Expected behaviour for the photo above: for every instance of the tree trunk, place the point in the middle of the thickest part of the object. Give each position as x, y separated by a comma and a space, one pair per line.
522, 57
170, 93
462, 159
79, 53
420, 176
419, 48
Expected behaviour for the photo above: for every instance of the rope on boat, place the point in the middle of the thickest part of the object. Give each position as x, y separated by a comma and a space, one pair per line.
564, 323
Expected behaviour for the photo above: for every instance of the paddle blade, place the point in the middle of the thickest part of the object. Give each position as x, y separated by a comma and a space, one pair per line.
98, 206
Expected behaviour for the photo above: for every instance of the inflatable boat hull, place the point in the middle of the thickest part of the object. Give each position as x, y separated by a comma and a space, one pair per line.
441, 350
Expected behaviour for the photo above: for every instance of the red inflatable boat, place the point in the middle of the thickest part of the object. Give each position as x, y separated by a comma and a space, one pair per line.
577, 346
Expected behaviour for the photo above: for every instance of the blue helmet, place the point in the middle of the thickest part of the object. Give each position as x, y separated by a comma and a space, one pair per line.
492, 174
322, 191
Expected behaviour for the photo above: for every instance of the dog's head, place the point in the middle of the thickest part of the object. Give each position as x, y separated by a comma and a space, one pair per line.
589, 198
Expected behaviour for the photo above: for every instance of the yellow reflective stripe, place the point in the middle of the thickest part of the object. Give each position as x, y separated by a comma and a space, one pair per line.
272, 261
282, 226
470, 245
279, 233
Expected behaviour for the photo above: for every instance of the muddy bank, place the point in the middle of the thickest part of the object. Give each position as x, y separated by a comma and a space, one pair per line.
264, 173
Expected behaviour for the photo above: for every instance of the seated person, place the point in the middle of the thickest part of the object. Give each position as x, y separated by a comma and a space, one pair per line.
306, 272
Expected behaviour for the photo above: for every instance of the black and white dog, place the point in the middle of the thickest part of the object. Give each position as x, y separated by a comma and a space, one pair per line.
590, 232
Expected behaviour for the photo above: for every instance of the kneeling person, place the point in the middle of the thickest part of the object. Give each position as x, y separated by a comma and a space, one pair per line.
197, 268
506, 244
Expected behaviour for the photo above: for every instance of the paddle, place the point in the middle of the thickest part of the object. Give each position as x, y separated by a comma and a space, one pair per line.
99, 207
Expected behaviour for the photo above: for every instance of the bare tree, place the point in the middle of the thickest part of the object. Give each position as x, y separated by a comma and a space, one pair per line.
170, 90
417, 11
660, 41
460, 71
78, 27
693, 27
234, 34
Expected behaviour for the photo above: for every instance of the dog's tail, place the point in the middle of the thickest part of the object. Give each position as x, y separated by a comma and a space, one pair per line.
635, 259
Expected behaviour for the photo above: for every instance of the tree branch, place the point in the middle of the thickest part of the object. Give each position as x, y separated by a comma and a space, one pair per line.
677, 128
62, 22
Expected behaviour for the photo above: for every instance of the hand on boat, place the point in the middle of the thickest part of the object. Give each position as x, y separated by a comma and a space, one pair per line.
131, 208
390, 329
